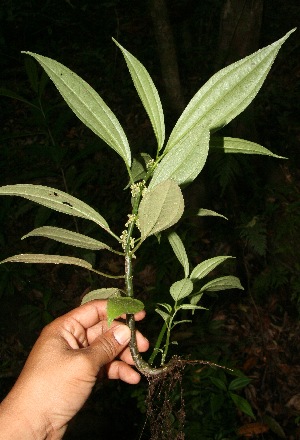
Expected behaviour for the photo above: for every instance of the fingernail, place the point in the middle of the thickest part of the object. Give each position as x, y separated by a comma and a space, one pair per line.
122, 334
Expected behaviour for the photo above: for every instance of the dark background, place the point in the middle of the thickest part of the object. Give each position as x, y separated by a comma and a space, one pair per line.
181, 45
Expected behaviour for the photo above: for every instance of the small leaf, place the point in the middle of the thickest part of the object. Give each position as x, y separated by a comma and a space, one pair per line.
147, 93
165, 316
87, 105
118, 306
223, 283
186, 160
166, 306
160, 208
235, 145
67, 237
207, 212
219, 383
238, 383
226, 94
203, 269
274, 426
45, 259
191, 307
195, 299
242, 404
138, 171
181, 289
110, 292
55, 199
179, 251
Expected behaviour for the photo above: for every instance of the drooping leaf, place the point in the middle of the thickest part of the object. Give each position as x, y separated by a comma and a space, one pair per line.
110, 292
147, 93
117, 306
207, 212
55, 199
226, 94
242, 404
203, 269
67, 237
160, 208
47, 259
179, 251
181, 289
88, 106
236, 145
186, 160
222, 283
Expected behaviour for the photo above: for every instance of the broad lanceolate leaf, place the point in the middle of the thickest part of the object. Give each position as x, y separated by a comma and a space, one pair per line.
110, 292
207, 212
226, 94
55, 199
88, 106
118, 306
160, 208
236, 145
67, 237
147, 93
186, 160
45, 259
181, 289
203, 269
179, 251
222, 283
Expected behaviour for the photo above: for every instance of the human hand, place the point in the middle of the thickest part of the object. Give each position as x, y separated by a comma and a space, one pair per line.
63, 367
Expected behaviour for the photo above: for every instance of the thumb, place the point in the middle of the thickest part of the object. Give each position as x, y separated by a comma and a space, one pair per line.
105, 348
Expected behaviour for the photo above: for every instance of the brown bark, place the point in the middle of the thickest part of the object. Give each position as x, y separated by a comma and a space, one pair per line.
167, 54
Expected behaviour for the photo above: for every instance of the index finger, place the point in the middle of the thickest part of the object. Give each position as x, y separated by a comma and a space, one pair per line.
93, 312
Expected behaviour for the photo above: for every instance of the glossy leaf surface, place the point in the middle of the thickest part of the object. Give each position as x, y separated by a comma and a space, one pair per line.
160, 208
87, 105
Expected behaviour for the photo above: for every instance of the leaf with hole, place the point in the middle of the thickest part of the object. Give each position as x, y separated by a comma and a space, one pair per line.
55, 199
87, 105
118, 306
67, 237
160, 208
180, 252
105, 293
147, 93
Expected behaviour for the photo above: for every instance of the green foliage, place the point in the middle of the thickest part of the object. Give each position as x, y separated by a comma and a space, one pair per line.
157, 199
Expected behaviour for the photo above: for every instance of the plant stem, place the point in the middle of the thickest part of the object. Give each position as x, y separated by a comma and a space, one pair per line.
158, 344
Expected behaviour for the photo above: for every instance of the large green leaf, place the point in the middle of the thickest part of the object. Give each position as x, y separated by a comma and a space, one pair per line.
55, 199
181, 289
179, 251
226, 94
105, 293
160, 208
204, 268
47, 259
117, 306
88, 106
67, 237
236, 145
147, 93
186, 160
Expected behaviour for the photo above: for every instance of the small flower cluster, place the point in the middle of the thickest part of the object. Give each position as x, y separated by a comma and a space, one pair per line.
137, 187
150, 164
124, 240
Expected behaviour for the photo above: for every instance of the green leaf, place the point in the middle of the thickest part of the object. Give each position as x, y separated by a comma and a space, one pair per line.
219, 383
47, 259
203, 269
181, 289
88, 106
118, 306
186, 160
242, 404
147, 93
226, 94
207, 212
165, 316
191, 307
55, 199
67, 237
179, 251
236, 145
110, 292
160, 208
238, 383
195, 299
166, 306
223, 283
